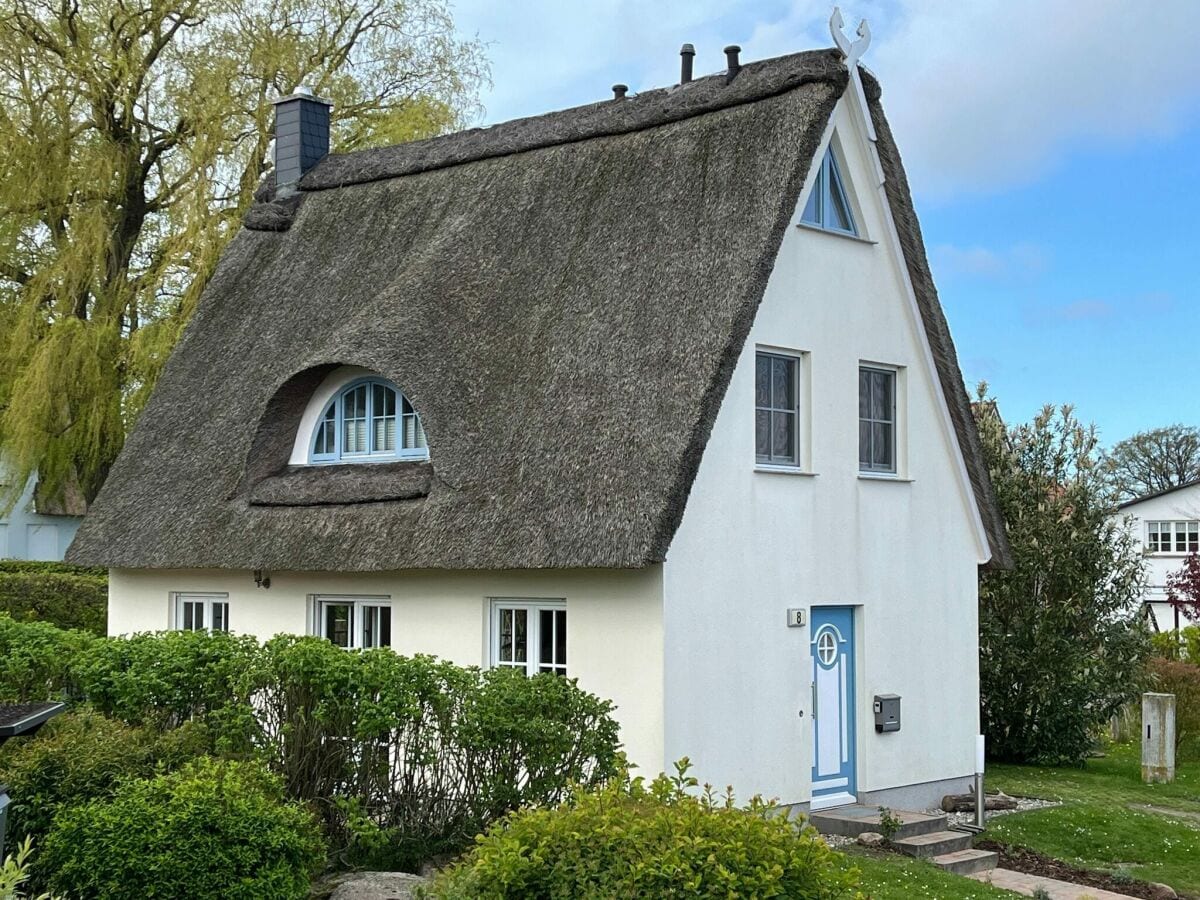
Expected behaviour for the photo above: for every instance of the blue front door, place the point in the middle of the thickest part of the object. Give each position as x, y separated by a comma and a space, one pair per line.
832, 646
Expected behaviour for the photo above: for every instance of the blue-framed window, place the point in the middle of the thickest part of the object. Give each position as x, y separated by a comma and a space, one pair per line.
828, 206
369, 420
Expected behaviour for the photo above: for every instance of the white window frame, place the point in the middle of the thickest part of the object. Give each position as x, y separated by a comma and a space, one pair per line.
207, 601
533, 609
357, 603
1181, 531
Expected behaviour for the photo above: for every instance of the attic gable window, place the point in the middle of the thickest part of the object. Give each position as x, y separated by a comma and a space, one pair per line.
828, 207
368, 420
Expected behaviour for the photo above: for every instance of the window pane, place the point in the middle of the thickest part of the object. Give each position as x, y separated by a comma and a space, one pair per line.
783, 436
506, 635
420, 434
339, 619
189, 617
762, 380
370, 625
546, 636
220, 616
560, 636
881, 396
812, 209
520, 635
881, 445
782, 393
838, 212
385, 626
410, 432
762, 434
864, 393
864, 444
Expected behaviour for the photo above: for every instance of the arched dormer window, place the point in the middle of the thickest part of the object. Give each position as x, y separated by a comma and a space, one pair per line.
368, 419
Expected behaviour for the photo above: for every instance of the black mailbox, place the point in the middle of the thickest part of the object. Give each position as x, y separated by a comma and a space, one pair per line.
887, 712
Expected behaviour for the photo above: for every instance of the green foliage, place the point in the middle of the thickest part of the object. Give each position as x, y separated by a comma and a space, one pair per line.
1183, 644
889, 825
37, 660
1183, 680
1061, 642
165, 679
66, 599
82, 756
1154, 460
628, 839
14, 873
219, 830
134, 137
47, 567
411, 756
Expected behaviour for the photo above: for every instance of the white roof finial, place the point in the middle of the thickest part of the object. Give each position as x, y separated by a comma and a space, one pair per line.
853, 51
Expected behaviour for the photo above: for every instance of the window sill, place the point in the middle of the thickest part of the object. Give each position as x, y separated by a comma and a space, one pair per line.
839, 234
783, 470
880, 476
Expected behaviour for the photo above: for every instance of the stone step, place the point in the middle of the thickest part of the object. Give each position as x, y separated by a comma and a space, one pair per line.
936, 843
851, 821
967, 862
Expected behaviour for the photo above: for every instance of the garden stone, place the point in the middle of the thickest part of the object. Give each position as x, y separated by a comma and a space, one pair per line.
378, 886
1163, 891
871, 839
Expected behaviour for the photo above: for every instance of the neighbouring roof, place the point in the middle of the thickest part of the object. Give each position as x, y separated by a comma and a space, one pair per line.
1157, 494
562, 298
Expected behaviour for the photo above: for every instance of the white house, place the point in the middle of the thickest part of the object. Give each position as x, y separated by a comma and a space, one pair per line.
655, 393
1166, 526
38, 526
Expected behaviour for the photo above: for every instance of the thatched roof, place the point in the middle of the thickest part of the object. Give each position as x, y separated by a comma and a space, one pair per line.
562, 298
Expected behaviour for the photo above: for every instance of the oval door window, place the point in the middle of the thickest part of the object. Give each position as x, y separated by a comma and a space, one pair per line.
827, 647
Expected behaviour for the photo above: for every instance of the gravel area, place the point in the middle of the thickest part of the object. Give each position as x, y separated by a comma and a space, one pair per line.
1024, 804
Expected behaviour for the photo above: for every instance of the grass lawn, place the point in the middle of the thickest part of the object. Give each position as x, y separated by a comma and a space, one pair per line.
1109, 820
889, 876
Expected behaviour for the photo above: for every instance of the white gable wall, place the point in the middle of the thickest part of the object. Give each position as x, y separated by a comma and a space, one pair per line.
752, 544
1177, 506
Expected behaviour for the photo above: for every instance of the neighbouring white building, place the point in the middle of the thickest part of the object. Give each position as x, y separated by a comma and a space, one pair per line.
1166, 525
38, 526
655, 393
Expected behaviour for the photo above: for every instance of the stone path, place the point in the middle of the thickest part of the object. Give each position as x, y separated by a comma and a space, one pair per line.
1058, 890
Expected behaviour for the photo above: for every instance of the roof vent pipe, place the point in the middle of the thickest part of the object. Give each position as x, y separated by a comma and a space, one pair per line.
619, 91
687, 53
732, 65
301, 136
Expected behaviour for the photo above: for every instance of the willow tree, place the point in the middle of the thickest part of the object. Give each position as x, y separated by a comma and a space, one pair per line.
132, 137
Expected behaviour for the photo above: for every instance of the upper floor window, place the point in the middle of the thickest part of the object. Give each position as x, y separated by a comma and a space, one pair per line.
369, 419
828, 206
876, 420
1173, 537
776, 409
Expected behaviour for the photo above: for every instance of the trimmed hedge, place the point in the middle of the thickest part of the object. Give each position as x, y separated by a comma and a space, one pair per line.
38, 660
630, 840
212, 831
59, 593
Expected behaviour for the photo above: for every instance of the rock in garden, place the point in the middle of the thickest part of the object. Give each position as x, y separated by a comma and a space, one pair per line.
871, 839
377, 886
1163, 891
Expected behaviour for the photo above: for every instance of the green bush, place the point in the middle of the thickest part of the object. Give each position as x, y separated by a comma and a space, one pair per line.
410, 756
1182, 644
37, 660
58, 568
81, 756
219, 830
1183, 680
629, 840
68, 600
168, 678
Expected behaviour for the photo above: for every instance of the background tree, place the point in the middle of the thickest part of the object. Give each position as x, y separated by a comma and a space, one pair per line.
1183, 587
1155, 460
1061, 640
132, 137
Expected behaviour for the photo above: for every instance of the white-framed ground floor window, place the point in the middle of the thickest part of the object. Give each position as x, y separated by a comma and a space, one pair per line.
355, 623
201, 612
530, 635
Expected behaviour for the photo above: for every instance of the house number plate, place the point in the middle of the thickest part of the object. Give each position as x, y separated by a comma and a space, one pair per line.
795, 618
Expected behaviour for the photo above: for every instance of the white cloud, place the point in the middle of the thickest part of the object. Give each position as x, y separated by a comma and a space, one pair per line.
982, 95
1021, 259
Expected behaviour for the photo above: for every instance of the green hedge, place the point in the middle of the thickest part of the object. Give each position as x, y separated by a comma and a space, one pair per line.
38, 660
1183, 680
629, 840
66, 596
212, 831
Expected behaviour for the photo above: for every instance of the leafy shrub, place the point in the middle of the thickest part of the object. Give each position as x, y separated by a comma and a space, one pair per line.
37, 660
57, 568
407, 757
14, 873
69, 599
166, 679
81, 756
629, 840
1182, 644
1183, 680
219, 830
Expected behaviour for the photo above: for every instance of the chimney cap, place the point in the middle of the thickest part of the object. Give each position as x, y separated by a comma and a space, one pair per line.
619, 91
733, 48
687, 50
302, 92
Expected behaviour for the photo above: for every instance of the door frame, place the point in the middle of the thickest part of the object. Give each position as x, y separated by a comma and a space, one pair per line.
849, 656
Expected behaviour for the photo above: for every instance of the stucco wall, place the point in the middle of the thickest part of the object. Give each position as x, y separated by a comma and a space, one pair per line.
614, 622
1180, 505
752, 543
24, 534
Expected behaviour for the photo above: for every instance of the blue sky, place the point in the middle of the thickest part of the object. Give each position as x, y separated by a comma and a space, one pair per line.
1050, 146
